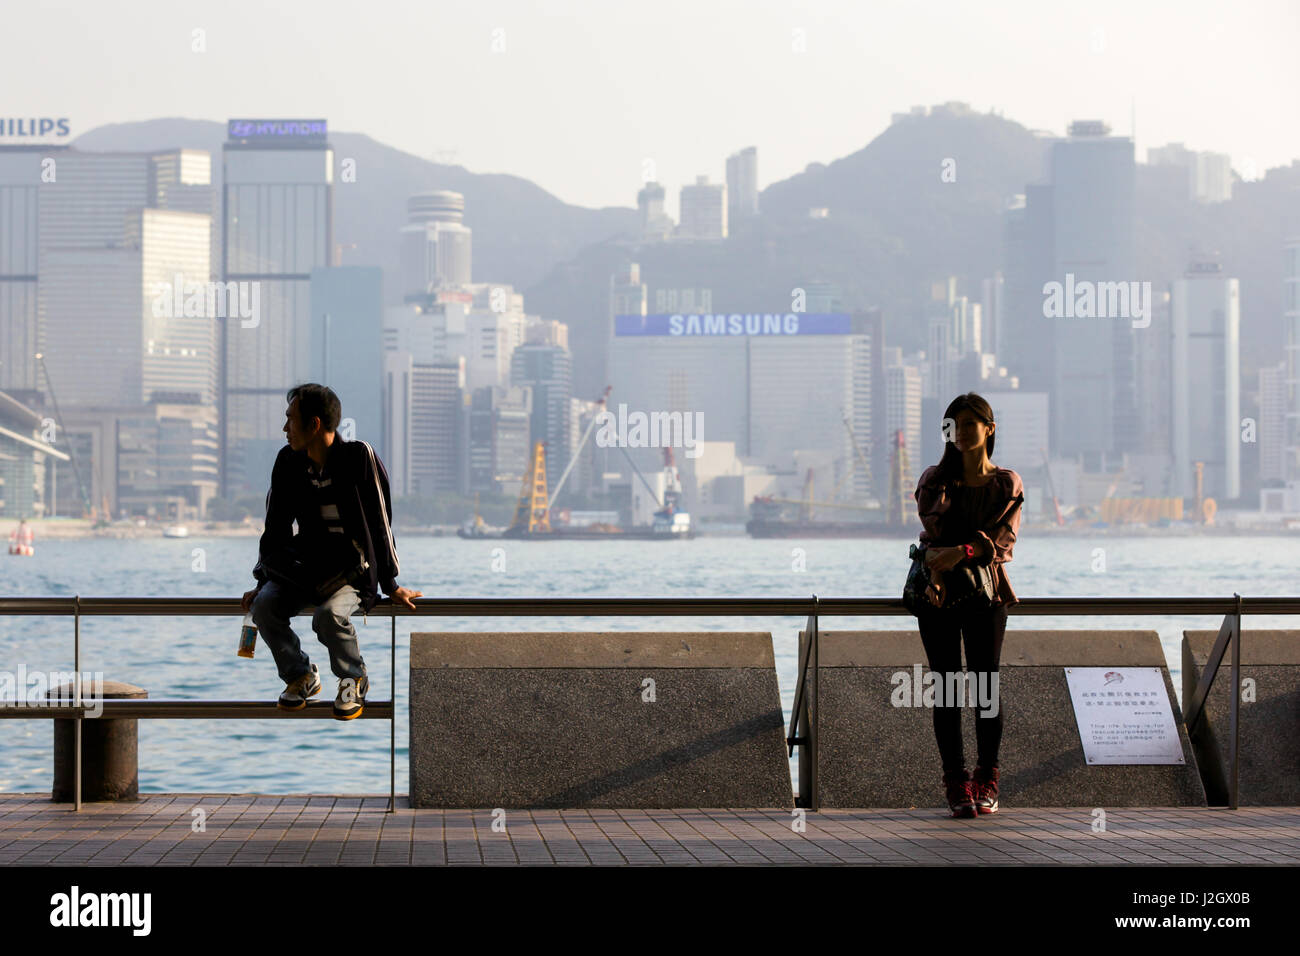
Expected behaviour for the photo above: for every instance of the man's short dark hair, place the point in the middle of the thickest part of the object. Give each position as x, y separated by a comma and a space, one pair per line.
317, 401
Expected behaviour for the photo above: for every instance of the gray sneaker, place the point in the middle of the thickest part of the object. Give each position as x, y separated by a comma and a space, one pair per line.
352, 697
297, 691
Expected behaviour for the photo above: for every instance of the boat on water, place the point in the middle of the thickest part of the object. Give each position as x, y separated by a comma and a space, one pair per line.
20, 541
176, 531
535, 519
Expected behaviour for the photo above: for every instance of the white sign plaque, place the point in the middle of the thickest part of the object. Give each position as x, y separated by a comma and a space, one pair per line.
1123, 715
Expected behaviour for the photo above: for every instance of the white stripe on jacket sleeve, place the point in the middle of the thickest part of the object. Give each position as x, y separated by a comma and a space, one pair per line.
383, 510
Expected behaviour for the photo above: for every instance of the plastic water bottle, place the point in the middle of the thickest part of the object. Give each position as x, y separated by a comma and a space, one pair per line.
247, 637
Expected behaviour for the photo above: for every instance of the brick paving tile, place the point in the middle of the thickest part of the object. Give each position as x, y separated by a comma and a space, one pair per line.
322, 830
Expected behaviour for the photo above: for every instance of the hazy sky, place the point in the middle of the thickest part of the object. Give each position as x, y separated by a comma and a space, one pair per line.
579, 95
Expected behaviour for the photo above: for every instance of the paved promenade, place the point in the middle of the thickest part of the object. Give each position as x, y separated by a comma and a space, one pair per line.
164, 829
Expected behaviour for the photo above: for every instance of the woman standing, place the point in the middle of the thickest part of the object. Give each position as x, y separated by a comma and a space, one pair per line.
969, 510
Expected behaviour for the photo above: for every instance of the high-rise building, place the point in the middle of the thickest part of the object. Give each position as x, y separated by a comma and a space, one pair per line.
1291, 333
500, 424
903, 413
436, 245
22, 171
438, 458
25, 460
347, 345
992, 306
546, 332
1206, 382
1027, 339
167, 457
106, 259
656, 225
772, 384
146, 296
1209, 175
278, 225
1271, 430
1093, 198
1022, 423
547, 371
704, 210
181, 179
742, 183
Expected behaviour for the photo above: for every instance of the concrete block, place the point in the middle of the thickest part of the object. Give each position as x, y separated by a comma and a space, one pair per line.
873, 754
1268, 771
564, 720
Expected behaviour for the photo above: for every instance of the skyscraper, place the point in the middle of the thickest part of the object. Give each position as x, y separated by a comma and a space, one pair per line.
436, 245
548, 372
1206, 380
277, 214
704, 210
742, 183
123, 298
347, 337
21, 172
655, 223
1093, 220
1291, 333
1272, 422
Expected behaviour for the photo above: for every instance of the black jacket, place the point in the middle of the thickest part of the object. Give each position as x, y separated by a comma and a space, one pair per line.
365, 510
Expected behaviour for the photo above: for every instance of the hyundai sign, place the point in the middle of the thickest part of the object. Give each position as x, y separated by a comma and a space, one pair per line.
735, 324
281, 130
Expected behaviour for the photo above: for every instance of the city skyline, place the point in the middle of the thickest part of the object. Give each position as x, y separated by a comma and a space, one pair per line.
787, 80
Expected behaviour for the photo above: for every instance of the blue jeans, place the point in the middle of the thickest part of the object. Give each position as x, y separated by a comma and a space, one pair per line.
332, 622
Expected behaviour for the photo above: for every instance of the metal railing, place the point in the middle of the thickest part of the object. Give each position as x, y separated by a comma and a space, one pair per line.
805, 710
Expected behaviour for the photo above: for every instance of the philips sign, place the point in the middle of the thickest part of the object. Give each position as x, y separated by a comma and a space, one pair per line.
296, 130
736, 324
41, 128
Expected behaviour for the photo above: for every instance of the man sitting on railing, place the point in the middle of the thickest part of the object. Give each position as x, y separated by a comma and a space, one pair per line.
337, 491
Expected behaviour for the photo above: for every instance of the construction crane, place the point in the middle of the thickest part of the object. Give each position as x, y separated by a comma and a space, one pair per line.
88, 509
1051, 490
532, 513
901, 503
604, 398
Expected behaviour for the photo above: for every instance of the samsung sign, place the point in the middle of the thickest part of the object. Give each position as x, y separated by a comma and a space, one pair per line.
749, 323
282, 130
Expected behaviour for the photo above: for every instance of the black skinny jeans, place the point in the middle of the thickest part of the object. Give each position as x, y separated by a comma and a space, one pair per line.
942, 633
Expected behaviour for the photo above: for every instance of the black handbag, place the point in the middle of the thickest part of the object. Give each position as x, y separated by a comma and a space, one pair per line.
969, 585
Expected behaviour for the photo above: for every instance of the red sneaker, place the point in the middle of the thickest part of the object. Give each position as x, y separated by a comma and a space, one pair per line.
986, 790
961, 793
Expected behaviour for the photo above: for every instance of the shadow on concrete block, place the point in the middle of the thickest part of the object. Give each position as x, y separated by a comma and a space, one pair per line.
874, 754
1268, 771
613, 719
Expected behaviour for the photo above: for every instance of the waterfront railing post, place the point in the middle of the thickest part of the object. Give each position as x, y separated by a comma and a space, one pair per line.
392, 721
76, 680
815, 723
1236, 701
